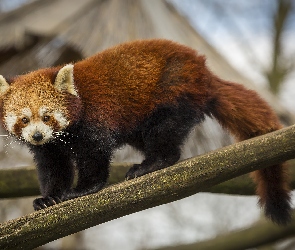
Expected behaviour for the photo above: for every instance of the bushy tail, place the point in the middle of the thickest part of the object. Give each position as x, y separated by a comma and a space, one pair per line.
245, 114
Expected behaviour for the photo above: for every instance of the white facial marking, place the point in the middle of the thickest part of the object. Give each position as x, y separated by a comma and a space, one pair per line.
10, 120
32, 128
27, 112
42, 111
63, 122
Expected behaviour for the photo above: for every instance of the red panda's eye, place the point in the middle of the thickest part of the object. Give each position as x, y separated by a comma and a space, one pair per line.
25, 120
46, 118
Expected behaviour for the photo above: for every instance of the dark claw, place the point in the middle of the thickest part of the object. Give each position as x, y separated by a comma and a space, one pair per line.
138, 170
135, 171
41, 203
54, 200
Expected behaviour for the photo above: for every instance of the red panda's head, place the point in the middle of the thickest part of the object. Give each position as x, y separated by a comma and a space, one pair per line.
39, 105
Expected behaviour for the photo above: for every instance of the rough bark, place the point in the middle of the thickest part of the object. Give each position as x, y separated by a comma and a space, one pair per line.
170, 184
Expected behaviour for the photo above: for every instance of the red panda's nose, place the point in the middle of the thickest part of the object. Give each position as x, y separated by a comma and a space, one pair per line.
37, 136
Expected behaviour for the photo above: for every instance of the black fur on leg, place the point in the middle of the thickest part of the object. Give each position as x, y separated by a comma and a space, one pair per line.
94, 148
161, 135
89, 148
55, 170
93, 172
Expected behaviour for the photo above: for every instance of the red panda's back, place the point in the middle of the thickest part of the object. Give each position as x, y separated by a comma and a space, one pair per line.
122, 85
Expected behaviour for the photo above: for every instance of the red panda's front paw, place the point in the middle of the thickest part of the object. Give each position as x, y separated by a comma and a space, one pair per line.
135, 171
41, 203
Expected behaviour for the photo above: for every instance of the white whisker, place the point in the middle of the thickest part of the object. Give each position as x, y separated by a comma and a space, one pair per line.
11, 141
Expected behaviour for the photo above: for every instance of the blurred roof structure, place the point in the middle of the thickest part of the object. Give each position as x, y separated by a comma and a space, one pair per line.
43, 33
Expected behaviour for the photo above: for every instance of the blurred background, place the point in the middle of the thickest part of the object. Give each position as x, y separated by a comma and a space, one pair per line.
250, 42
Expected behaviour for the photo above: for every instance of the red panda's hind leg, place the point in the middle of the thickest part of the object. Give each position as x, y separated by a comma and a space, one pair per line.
161, 135
153, 163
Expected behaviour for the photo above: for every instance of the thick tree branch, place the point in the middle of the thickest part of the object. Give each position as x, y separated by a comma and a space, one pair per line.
18, 182
261, 233
21, 182
167, 185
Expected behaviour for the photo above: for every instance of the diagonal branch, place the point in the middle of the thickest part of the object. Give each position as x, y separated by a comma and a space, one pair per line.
170, 184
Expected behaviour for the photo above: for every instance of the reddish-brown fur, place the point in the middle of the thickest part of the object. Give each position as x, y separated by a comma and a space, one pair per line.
133, 71
245, 114
122, 87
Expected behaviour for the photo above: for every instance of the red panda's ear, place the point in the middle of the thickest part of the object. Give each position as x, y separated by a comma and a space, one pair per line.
64, 81
4, 86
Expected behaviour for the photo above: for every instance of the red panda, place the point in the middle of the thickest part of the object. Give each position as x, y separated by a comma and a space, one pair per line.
148, 94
